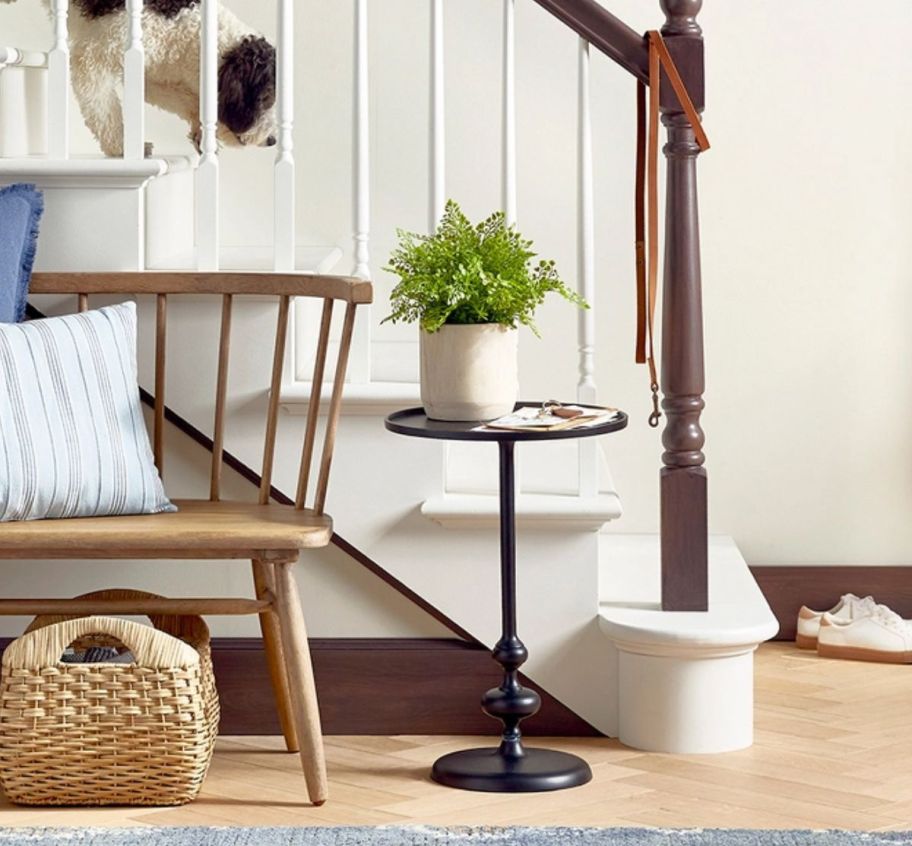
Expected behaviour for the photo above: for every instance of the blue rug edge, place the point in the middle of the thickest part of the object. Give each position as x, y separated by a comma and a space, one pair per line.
419, 835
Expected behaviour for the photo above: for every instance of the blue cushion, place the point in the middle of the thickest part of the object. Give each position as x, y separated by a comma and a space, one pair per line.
20, 211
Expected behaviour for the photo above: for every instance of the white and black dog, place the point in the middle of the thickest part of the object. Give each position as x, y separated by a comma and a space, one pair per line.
171, 35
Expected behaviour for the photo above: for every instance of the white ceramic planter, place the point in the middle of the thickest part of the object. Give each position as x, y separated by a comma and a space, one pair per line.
469, 372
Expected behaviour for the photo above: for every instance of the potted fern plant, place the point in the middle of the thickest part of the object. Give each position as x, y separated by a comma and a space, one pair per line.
469, 288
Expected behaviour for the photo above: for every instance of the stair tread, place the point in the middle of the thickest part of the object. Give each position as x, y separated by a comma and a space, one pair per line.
630, 609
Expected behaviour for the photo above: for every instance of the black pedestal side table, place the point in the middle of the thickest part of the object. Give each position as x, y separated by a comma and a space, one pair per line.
509, 768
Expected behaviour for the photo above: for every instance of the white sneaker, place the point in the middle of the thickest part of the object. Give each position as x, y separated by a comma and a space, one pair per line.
881, 636
849, 607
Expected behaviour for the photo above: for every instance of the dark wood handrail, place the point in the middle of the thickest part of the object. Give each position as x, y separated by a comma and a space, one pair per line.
604, 31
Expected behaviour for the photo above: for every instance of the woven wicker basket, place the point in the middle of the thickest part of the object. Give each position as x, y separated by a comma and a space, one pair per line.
187, 627
102, 734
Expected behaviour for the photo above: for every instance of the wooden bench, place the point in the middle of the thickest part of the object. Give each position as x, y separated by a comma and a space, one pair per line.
268, 534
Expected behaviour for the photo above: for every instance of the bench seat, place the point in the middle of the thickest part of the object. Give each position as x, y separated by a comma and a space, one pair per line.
199, 529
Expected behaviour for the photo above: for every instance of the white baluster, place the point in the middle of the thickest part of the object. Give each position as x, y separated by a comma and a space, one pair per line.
438, 133
362, 145
59, 84
438, 145
508, 164
14, 111
23, 103
586, 389
284, 172
207, 173
134, 85
509, 111
360, 365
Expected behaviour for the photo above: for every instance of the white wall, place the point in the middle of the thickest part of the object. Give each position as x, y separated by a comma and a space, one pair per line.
804, 205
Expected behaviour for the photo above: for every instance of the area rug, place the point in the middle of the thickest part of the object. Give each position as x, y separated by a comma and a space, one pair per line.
427, 836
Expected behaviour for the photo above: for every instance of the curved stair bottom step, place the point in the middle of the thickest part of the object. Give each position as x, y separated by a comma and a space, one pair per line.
685, 679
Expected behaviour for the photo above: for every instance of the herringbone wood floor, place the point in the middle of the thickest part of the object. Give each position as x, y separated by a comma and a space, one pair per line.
833, 750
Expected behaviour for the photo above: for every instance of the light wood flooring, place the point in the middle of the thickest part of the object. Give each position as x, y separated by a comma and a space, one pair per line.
833, 750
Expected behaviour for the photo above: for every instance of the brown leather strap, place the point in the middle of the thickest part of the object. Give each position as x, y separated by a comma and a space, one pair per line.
652, 213
657, 43
647, 181
640, 218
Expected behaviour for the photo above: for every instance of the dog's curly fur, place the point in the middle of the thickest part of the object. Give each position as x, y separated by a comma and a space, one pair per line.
100, 8
171, 35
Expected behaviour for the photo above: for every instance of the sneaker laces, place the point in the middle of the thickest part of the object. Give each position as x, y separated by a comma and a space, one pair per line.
868, 605
889, 618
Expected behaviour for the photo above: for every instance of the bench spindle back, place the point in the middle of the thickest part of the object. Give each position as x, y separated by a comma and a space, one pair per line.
221, 390
229, 285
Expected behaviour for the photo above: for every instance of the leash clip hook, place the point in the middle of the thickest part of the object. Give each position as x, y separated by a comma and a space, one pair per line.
656, 414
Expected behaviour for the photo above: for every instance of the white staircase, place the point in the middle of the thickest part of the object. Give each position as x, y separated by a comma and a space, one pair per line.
425, 511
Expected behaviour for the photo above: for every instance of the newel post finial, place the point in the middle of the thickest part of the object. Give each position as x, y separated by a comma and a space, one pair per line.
681, 17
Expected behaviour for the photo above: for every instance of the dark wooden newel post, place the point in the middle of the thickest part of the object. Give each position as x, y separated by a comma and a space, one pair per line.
683, 477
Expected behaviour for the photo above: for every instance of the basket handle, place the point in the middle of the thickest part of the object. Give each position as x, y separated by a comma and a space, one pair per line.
150, 647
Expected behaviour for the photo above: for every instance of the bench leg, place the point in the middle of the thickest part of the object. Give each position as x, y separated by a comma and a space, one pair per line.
300, 675
264, 582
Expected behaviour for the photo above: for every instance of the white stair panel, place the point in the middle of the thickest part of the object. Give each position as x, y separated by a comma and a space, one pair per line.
94, 216
308, 259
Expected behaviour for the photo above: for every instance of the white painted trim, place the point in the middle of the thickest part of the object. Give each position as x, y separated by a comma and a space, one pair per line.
362, 145
438, 119
308, 259
87, 172
359, 367
586, 388
13, 56
134, 85
533, 511
586, 391
207, 172
373, 398
58, 103
15, 112
509, 111
284, 184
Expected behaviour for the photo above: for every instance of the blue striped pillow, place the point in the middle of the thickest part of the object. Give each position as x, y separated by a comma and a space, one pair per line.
73, 442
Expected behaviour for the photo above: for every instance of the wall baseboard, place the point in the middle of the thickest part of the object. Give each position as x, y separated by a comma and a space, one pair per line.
380, 686
788, 588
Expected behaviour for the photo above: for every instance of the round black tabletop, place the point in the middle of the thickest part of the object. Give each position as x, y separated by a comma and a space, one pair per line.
414, 422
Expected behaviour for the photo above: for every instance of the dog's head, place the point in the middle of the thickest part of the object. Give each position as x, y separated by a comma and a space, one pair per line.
247, 93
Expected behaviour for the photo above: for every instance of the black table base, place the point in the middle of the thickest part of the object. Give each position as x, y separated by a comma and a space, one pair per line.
491, 770
509, 767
